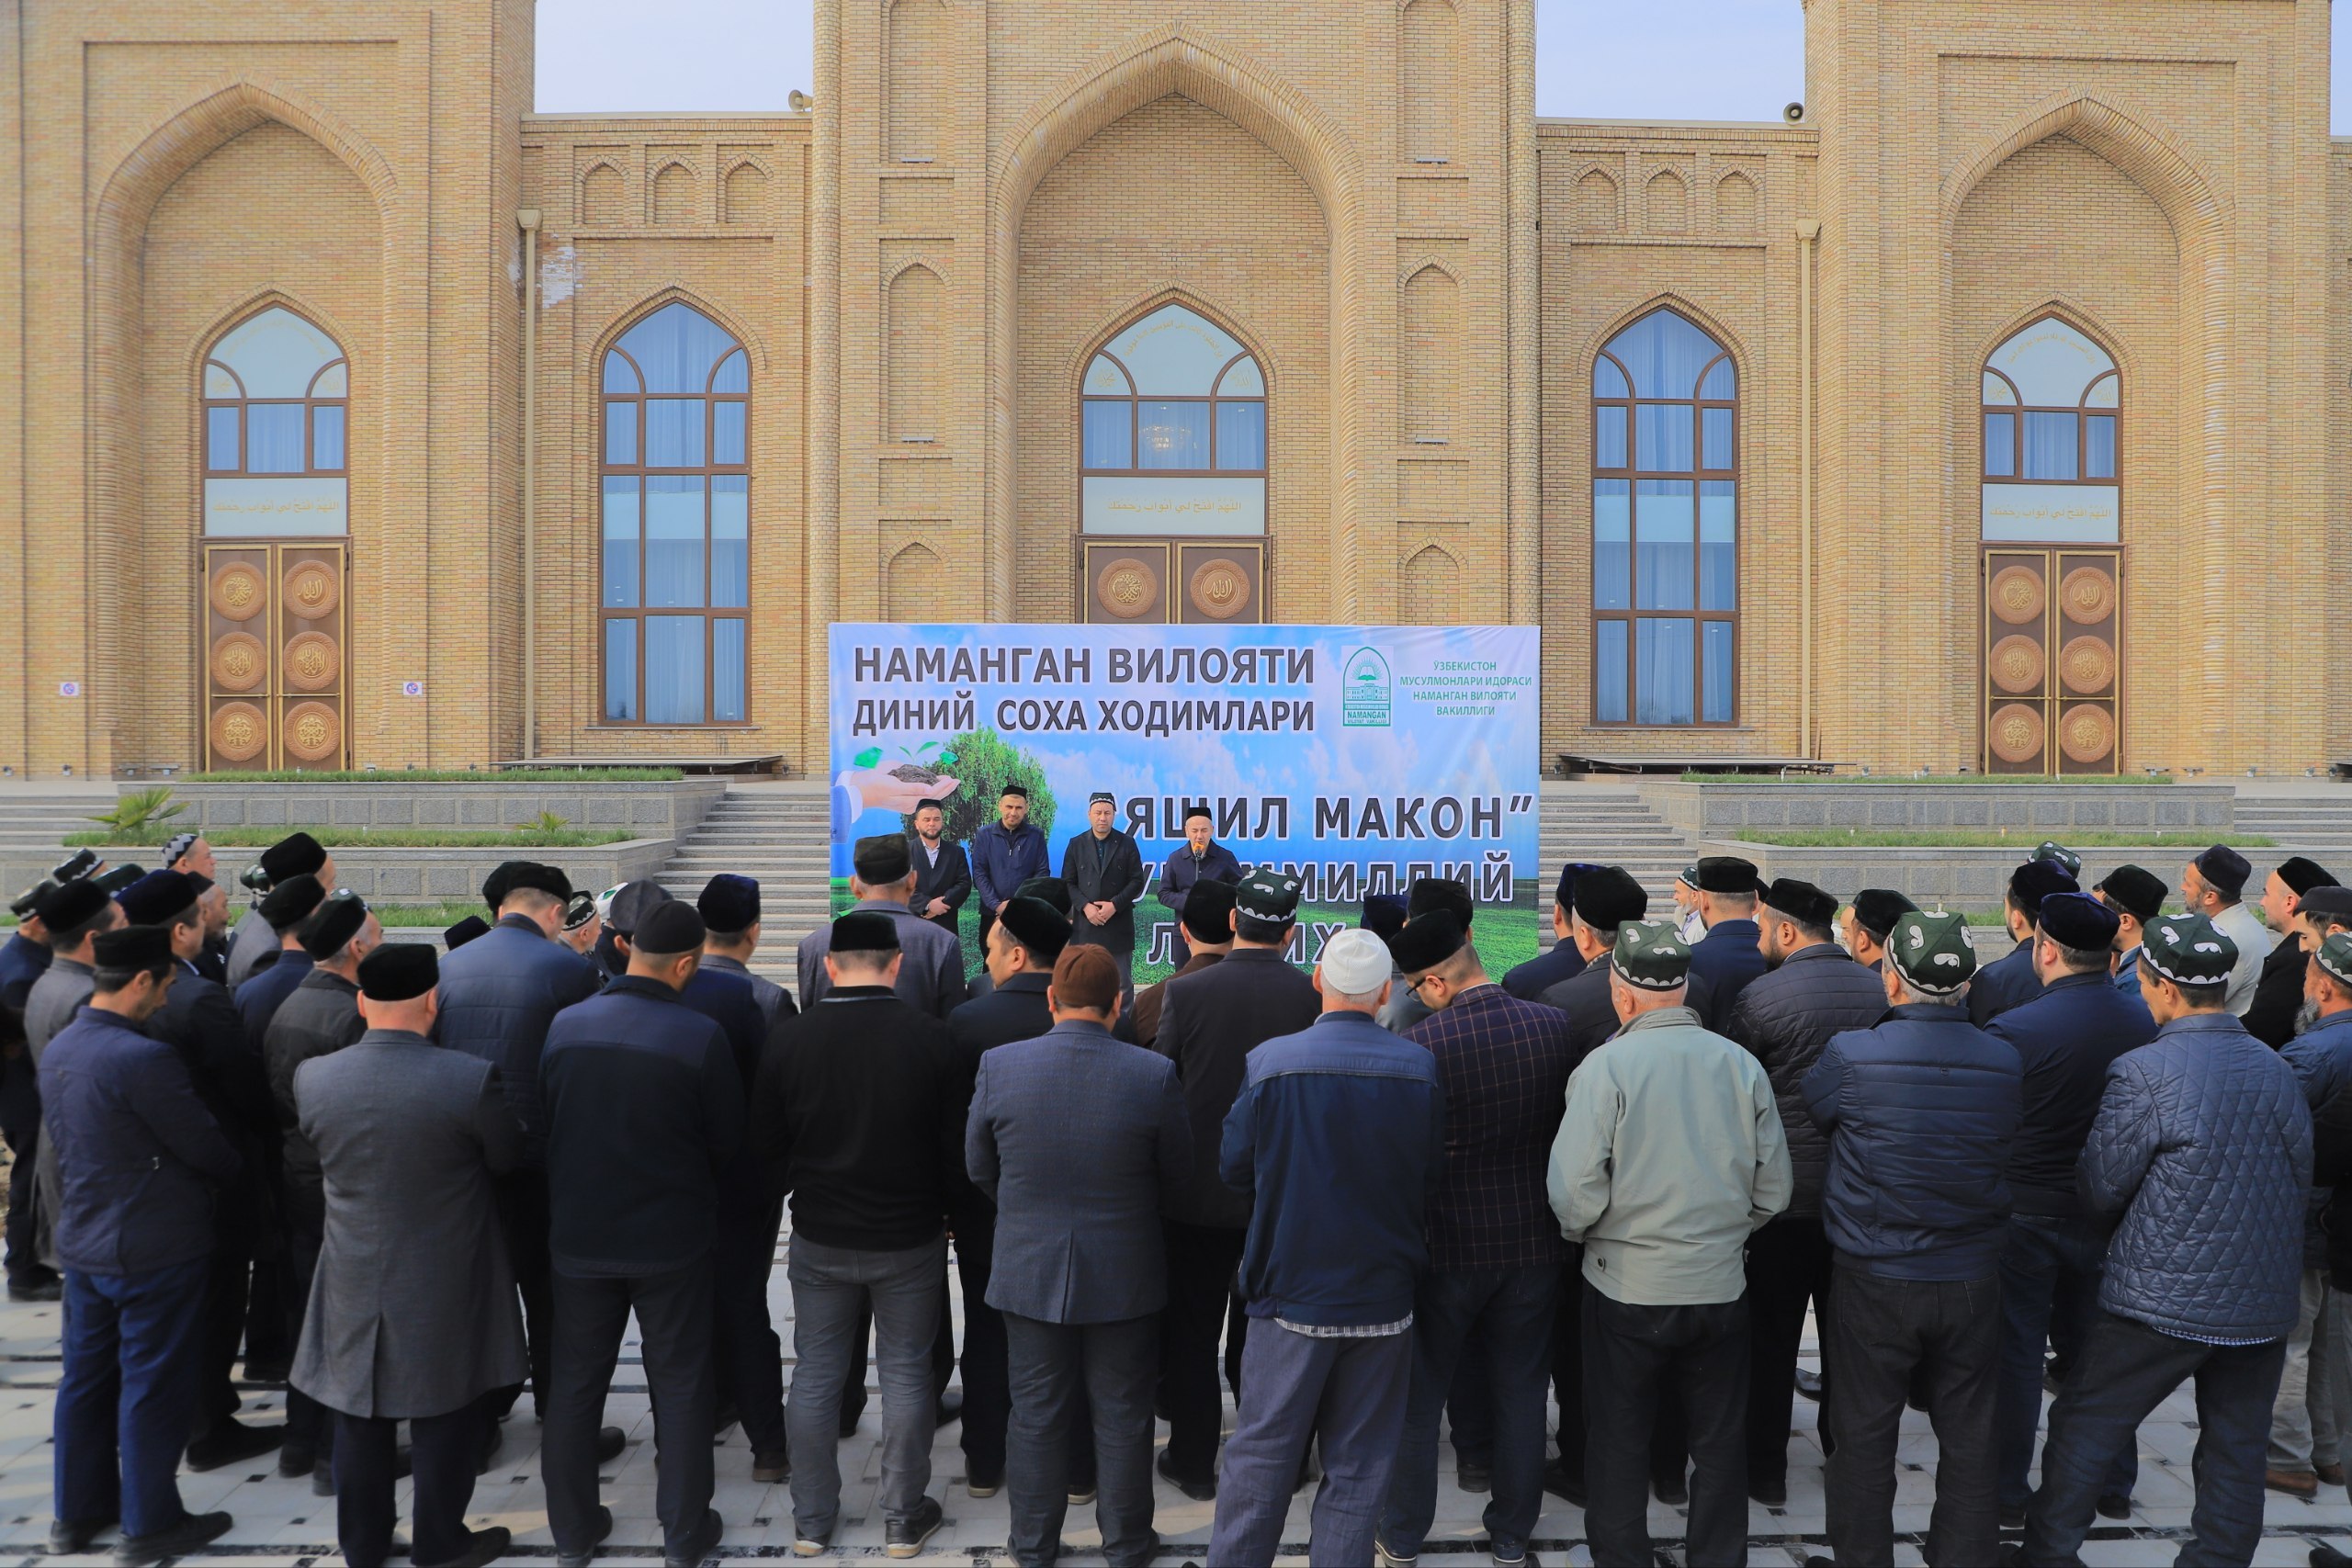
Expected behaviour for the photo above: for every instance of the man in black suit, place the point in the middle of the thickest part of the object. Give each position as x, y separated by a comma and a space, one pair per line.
1561, 961
1028, 936
1209, 1026
1104, 871
943, 871
1601, 901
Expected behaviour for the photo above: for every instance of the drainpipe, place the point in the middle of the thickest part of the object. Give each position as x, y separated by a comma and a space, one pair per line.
1808, 236
527, 219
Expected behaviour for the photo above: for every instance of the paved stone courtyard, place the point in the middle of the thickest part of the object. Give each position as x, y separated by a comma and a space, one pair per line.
279, 1521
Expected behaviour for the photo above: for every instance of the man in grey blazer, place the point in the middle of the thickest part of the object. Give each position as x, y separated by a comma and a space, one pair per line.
931, 974
413, 1310
1081, 1140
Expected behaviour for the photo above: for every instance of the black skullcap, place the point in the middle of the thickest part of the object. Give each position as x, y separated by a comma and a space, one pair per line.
340, 915
29, 901
672, 928
156, 898
111, 883
199, 882
290, 900
927, 804
2302, 875
881, 860
1036, 925
2138, 891
1013, 789
1197, 809
2330, 903
1610, 898
1726, 873
730, 903
1051, 889
1801, 901
1208, 911
1101, 797
1384, 913
521, 873
457, 936
2225, 870
1564, 893
494, 887
69, 904
632, 902
131, 947
1429, 893
1877, 908
2079, 921
398, 971
296, 855
2038, 879
1427, 941
864, 930
579, 909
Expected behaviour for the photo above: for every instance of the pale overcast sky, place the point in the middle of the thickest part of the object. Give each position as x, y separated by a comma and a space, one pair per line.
1666, 59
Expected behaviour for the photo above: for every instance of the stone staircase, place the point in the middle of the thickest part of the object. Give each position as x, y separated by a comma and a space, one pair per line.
32, 831
2318, 826
777, 833
1603, 826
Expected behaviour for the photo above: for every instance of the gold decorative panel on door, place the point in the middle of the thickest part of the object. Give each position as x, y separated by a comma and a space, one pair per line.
2053, 660
274, 624
1152, 581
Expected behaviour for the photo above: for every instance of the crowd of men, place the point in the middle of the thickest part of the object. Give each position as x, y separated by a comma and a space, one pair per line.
1379, 1196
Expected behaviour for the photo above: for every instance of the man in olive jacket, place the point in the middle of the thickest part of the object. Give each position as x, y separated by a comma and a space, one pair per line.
412, 1316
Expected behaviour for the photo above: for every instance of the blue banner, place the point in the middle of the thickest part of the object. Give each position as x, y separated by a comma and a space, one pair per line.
1357, 758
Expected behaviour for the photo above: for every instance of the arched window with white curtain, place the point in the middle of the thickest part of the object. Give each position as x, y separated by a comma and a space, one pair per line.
2053, 405
676, 522
1172, 430
277, 410
1665, 526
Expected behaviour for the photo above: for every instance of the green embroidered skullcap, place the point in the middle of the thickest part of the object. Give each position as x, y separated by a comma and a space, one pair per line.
1932, 951
2335, 955
1651, 956
2051, 849
2188, 951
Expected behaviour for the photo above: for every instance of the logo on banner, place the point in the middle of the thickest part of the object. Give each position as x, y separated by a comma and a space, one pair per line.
1364, 690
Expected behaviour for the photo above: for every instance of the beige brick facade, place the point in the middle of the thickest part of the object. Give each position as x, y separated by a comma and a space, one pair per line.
920, 269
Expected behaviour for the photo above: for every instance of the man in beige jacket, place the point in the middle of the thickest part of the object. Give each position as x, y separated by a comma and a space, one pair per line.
1670, 1155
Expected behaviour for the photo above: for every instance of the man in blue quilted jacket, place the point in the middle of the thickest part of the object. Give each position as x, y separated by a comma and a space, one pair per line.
2202, 1147
1920, 1111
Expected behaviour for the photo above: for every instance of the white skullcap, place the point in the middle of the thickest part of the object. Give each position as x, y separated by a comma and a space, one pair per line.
1355, 962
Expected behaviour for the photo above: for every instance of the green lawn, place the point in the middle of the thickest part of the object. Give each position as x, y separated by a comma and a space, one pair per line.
2023, 839
158, 833
444, 776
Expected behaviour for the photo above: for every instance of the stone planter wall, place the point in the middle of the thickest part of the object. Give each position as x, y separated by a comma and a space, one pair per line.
2033, 811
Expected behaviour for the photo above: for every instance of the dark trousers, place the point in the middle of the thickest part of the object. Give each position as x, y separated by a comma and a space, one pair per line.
224, 1331
673, 1317
1567, 1363
523, 1214
1509, 1311
1081, 1386
2124, 1371
2044, 1258
306, 1420
1788, 1269
1634, 1358
1202, 1261
446, 1451
1882, 1332
265, 1338
749, 1354
988, 1398
24, 1263
1347, 1395
126, 1398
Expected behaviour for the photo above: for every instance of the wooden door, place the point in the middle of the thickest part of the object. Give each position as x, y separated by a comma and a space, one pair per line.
2053, 645
1135, 582
276, 620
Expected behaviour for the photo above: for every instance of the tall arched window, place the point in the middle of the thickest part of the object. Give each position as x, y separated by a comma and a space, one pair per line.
1172, 430
1665, 526
676, 522
276, 398
2052, 399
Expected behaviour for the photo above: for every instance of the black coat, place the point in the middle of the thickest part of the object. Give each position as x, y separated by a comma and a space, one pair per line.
199, 1021
2064, 1037
1119, 878
1209, 1023
1784, 1018
2279, 995
2009, 981
1592, 1018
321, 1018
1723, 962
499, 994
951, 879
1529, 980
1014, 1011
